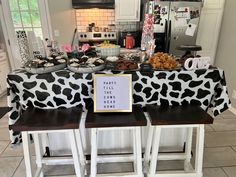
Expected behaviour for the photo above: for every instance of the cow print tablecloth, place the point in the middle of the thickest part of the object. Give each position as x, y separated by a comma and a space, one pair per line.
66, 89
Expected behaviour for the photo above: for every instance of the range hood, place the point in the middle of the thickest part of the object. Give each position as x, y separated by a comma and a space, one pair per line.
87, 4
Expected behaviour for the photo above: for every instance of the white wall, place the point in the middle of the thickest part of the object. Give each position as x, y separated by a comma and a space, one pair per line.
226, 53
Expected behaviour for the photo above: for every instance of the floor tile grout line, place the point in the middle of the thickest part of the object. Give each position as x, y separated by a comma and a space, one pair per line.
22, 158
220, 166
11, 156
212, 128
219, 146
233, 117
221, 131
225, 172
233, 148
5, 148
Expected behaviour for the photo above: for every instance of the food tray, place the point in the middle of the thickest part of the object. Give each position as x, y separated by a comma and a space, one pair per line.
43, 70
85, 69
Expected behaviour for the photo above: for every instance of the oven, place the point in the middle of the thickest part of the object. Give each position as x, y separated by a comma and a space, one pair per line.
95, 38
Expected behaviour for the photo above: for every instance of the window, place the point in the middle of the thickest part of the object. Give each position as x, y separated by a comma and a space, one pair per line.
25, 16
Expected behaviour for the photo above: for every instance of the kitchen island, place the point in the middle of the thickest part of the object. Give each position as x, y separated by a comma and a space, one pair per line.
63, 89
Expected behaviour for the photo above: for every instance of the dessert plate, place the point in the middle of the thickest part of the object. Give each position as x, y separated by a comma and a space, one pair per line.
43, 70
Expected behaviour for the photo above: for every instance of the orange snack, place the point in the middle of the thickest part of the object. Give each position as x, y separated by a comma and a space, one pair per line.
162, 60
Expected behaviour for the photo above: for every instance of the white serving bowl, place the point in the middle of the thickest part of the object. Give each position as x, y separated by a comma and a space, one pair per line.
108, 51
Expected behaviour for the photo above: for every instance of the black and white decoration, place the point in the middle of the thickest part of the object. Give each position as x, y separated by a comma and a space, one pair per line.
23, 46
63, 89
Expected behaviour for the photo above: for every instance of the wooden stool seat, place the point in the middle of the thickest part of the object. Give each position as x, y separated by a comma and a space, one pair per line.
34, 119
174, 115
42, 121
185, 116
117, 121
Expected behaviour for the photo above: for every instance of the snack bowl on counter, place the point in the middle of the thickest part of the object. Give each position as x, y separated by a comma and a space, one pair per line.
45, 65
107, 49
163, 61
86, 64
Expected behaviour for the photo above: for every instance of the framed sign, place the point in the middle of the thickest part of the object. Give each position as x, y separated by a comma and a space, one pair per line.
113, 92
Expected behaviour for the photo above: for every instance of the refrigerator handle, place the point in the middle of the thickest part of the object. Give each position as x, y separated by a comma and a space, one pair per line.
169, 36
166, 32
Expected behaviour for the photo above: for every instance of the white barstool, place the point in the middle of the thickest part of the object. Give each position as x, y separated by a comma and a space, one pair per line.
40, 121
189, 116
116, 121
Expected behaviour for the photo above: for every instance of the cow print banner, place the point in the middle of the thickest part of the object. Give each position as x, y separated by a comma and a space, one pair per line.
63, 89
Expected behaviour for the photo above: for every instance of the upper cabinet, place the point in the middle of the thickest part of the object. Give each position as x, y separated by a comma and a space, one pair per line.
127, 10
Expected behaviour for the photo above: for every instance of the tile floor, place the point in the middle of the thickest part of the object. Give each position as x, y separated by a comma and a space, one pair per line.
219, 154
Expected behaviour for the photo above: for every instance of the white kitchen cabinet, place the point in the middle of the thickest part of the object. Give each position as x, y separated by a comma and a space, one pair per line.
127, 10
209, 27
4, 70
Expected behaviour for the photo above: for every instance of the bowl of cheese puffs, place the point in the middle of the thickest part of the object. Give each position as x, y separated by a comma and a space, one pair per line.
163, 61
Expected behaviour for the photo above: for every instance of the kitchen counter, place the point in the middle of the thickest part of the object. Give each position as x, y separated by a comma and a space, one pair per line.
134, 50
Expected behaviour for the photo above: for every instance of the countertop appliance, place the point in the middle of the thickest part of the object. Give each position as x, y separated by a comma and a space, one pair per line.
87, 4
129, 41
175, 23
137, 35
94, 38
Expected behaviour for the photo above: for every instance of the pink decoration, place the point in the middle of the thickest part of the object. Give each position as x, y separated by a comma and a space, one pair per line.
67, 48
148, 30
85, 47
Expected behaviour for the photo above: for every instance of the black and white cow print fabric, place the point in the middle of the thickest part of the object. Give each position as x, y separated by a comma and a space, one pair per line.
63, 89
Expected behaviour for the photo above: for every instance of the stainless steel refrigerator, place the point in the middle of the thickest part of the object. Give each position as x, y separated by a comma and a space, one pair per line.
175, 23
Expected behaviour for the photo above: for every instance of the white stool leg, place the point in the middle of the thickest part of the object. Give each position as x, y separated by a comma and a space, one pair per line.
188, 149
93, 170
148, 145
80, 147
155, 149
27, 154
39, 154
75, 153
135, 149
199, 150
45, 140
138, 151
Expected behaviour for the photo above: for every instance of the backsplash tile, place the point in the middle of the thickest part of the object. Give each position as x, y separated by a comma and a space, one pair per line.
102, 18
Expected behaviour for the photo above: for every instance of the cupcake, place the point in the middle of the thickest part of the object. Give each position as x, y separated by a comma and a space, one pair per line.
48, 64
50, 58
74, 60
59, 57
74, 64
61, 61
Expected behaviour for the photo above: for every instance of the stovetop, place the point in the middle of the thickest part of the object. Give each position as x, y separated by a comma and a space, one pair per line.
96, 36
